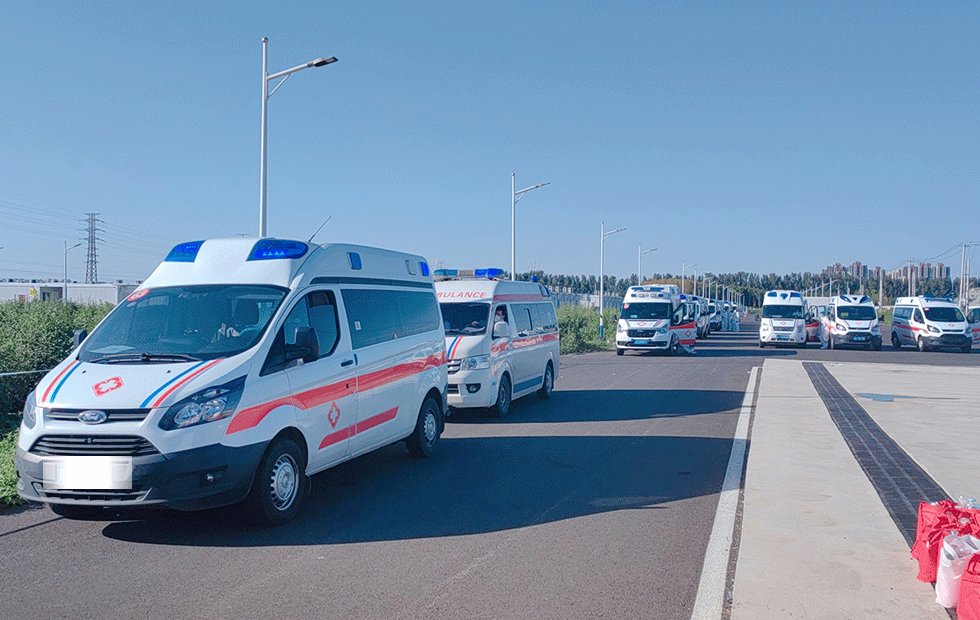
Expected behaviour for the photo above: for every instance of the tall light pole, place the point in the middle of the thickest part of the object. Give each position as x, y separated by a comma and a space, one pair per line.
683, 269
639, 263
602, 242
266, 78
514, 197
66, 268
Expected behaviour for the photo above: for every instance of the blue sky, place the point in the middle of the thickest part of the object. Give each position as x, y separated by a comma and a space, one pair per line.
738, 136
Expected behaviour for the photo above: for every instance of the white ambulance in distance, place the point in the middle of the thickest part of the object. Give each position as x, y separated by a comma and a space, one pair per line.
654, 317
236, 370
502, 339
928, 323
853, 320
783, 319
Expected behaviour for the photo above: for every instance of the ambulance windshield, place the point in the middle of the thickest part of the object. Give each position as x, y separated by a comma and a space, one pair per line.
856, 313
779, 311
183, 323
465, 319
944, 314
645, 311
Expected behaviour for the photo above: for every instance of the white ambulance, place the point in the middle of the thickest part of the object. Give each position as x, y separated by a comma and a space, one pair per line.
853, 320
502, 339
236, 370
783, 319
655, 317
928, 323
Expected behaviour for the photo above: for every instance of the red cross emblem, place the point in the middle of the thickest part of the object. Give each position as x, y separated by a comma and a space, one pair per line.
104, 387
333, 416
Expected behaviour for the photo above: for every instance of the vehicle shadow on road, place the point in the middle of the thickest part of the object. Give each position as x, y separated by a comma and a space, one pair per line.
471, 486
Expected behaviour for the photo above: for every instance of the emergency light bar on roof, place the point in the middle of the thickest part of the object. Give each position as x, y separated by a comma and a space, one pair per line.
184, 252
460, 274
271, 249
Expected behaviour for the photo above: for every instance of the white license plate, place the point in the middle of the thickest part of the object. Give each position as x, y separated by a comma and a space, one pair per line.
88, 472
641, 342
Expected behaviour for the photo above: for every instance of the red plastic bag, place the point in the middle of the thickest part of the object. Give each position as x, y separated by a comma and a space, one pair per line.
934, 523
968, 607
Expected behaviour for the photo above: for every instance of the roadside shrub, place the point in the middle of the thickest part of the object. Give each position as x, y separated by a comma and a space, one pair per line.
37, 336
580, 329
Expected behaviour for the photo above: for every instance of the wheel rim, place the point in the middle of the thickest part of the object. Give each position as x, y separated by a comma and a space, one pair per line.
429, 427
283, 482
549, 380
504, 396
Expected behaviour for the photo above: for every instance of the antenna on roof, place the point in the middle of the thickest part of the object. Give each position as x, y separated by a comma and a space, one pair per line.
318, 229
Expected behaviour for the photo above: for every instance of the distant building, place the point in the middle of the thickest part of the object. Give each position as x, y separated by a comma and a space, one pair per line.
55, 291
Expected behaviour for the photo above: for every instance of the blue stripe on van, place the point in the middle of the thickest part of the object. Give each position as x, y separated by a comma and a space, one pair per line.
523, 385
63, 379
169, 383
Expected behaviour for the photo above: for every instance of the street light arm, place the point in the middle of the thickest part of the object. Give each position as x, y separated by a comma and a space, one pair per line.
520, 193
612, 232
319, 62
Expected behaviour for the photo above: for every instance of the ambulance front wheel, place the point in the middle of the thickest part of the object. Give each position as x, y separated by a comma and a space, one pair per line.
896, 343
620, 351
277, 491
502, 406
422, 442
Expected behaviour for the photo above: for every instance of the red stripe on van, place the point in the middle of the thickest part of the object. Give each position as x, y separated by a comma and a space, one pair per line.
537, 297
250, 418
333, 438
159, 400
381, 418
54, 382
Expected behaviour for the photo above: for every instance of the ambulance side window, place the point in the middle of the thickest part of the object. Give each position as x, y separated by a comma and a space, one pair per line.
917, 317
317, 310
522, 319
974, 315
678, 317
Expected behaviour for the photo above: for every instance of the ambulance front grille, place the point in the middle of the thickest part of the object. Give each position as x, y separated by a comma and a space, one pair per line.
93, 445
114, 415
453, 366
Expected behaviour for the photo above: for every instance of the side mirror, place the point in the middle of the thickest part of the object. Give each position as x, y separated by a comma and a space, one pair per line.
501, 330
307, 347
77, 337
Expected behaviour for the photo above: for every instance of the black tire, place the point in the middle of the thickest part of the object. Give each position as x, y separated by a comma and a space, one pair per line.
549, 382
966, 349
896, 343
422, 442
671, 347
502, 407
878, 346
922, 345
762, 345
78, 513
279, 485
620, 351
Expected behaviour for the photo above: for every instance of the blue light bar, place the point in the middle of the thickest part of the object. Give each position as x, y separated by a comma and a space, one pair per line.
487, 273
425, 268
184, 252
445, 272
271, 249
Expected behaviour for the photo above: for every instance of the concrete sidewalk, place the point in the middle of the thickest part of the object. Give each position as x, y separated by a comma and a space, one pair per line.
816, 539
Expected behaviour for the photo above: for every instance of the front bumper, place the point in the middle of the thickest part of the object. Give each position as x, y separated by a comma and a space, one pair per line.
857, 339
947, 340
471, 389
177, 480
775, 337
653, 342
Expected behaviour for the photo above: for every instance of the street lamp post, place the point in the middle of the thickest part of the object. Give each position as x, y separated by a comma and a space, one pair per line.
66, 268
266, 78
514, 197
602, 242
683, 269
639, 263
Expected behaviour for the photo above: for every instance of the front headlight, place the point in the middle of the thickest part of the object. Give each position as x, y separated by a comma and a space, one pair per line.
212, 404
661, 330
876, 329
619, 328
766, 327
841, 327
30, 411
475, 363
935, 330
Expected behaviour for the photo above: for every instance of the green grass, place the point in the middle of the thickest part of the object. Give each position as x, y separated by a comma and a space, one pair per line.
8, 475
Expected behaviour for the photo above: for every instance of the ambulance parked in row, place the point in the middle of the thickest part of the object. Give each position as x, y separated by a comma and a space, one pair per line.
502, 338
655, 317
783, 319
853, 320
699, 307
239, 368
927, 323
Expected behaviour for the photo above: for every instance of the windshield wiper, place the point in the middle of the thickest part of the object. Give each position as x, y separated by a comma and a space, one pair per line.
144, 358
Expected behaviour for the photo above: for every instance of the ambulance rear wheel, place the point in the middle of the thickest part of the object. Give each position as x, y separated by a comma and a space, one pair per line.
896, 343
278, 489
422, 442
502, 406
549, 382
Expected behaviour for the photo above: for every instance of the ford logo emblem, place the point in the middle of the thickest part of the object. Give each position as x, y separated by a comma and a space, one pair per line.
93, 416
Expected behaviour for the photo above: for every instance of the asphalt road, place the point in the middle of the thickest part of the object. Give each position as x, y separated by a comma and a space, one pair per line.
596, 503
